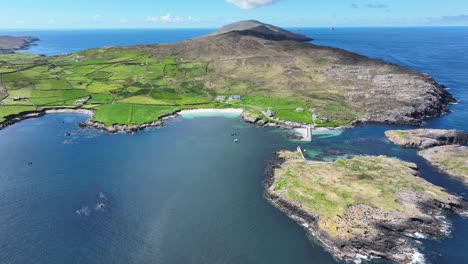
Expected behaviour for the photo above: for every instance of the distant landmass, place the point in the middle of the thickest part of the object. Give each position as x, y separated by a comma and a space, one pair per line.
259, 29
10, 44
263, 69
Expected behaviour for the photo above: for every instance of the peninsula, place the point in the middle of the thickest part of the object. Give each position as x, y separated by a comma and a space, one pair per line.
9, 44
257, 67
363, 207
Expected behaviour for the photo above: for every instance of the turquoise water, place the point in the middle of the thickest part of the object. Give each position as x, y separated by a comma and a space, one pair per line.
186, 193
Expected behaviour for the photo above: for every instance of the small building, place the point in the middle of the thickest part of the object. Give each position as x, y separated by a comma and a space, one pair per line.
17, 98
235, 97
270, 112
299, 109
220, 98
324, 119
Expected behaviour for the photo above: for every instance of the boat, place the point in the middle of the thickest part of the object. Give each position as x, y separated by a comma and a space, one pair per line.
236, 140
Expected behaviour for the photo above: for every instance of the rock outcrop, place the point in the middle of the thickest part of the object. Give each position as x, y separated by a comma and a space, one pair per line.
426, 138
451, 159
373, 207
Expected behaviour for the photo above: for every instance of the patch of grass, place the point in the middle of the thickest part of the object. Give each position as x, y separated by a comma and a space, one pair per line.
51, 84
140, 99
102, 87
111, 114
101, 99
328, 189
148, 113
13, 110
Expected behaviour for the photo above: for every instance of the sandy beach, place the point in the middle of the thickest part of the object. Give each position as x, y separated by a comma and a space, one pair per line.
212, 111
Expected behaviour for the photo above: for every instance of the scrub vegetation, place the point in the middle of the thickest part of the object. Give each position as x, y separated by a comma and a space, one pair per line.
328, 189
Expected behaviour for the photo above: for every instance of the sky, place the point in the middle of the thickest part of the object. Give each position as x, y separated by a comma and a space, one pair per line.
86, 14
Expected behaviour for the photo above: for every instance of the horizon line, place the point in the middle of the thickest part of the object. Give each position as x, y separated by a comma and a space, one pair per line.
211, 28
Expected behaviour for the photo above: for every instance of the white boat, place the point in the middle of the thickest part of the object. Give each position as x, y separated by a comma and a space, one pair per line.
236, 140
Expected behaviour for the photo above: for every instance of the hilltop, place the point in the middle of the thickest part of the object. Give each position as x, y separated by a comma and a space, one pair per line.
259, 29
137, 85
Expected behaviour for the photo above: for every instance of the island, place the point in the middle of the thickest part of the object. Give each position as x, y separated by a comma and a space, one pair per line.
9, 44
440, 147
275, 76
361, 208
452, 160
426, 138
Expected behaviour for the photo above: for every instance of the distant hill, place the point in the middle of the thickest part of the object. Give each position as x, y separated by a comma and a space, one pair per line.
262, 30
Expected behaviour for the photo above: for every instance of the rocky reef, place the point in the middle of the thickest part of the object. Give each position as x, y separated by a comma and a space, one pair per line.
364, 207
426, 138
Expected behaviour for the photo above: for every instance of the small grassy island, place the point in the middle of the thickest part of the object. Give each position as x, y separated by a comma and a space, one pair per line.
425, 138
270, 73
365, 206
451, 159
440, 148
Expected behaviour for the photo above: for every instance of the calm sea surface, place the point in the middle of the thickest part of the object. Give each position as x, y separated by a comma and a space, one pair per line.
186, 193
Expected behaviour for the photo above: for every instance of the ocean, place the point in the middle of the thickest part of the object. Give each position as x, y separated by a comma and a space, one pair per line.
185, 193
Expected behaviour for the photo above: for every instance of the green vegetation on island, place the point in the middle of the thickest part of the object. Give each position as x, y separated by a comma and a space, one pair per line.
451, 159
363, 206
440, 147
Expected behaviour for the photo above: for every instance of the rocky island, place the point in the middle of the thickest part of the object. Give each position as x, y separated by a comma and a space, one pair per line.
363, 207
452, 160
426, 138
441, 148
9, 44
271, 73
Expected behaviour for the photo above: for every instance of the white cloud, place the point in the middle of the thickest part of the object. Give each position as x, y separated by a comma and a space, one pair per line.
251, 4
168, 18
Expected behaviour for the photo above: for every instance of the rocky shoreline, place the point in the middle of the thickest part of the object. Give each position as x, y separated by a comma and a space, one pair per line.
426, 138
10, 44
127, 129
451, 160
441, 148
386, 235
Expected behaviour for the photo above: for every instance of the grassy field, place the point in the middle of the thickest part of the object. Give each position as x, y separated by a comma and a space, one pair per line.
328, 189
133, 87
13, 110
451, 158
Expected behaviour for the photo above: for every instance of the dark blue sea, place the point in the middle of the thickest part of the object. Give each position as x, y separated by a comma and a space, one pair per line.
186, 193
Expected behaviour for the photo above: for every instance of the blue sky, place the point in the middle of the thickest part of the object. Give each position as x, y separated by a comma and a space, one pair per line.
56, 14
